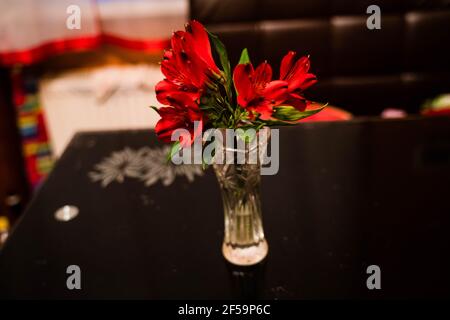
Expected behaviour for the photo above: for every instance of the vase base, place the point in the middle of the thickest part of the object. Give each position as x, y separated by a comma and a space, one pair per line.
245, 256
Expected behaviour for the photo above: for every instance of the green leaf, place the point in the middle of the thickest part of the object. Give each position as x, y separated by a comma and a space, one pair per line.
176, 147
246, 135
274, 123
244, 59
223, 56
207, 158
289, 113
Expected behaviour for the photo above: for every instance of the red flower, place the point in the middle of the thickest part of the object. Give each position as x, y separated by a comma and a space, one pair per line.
256, 91
197, 42
188, 65
298, 79
165, 89
181, 115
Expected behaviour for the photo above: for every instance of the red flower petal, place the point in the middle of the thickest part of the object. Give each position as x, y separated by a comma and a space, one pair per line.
182, 101
165, 90
176, 42
262, 76
275, 92
302, 82
296, 74
184, 67
299, 104
242, 81
265, 111
301, 66
287, 64
170, 121
198, 39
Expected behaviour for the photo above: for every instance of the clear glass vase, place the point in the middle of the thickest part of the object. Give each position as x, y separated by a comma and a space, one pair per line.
244, 242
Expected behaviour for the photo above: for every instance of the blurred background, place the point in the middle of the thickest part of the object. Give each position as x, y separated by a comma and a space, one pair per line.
60, 75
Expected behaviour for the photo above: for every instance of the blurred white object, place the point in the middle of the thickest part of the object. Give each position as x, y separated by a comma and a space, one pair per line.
391, 113
31, 30
109, 98
66, 213
142, 19
27, 24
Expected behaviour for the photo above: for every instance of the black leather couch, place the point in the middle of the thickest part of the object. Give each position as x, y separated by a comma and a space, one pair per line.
361, 70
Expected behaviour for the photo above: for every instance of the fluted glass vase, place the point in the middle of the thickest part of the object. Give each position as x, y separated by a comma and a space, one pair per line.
244, 242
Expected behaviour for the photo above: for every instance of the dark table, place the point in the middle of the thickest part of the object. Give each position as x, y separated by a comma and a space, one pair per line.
348, 195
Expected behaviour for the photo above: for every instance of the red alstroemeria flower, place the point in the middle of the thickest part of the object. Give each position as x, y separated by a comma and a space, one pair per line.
298, 79
165, 89
197, 42
181, 115
256, 91
188, 65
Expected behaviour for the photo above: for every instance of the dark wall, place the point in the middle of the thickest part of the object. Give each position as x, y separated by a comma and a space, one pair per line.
361, 70
12, 176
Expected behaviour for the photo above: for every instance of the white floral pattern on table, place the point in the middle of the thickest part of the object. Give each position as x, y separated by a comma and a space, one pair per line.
149, 165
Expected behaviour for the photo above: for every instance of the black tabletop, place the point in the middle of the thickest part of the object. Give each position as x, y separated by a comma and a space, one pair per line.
348, 195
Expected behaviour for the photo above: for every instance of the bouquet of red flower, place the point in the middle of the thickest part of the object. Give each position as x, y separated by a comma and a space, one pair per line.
197, 90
